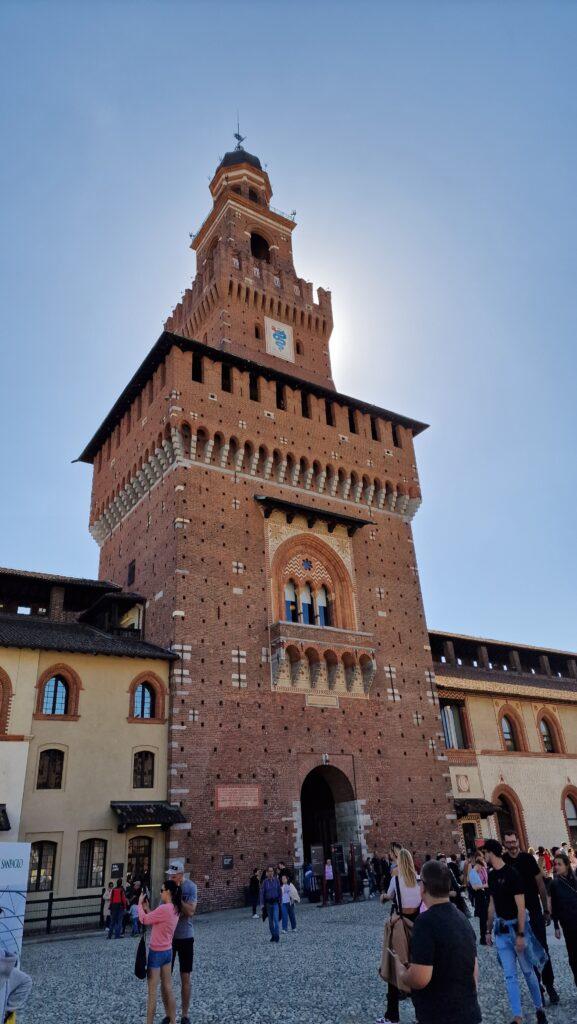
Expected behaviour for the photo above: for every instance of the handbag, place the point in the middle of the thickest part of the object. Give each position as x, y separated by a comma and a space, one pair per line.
396, 938
140, 962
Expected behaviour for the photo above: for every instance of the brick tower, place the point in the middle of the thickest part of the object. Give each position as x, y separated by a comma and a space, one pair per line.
267, 519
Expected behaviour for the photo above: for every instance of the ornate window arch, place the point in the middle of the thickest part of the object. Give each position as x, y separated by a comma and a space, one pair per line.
58, 694
307, 559
511, 729
5, 700
147, 695
569, 809
511, 814
549, 733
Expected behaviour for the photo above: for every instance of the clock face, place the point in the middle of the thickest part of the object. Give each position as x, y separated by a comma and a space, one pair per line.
279, 339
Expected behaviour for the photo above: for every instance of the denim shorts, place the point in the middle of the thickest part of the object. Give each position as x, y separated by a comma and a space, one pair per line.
159, 957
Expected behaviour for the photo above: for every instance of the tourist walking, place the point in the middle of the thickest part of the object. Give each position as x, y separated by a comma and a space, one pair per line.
536, 902
564, 906
183, 938
443, 970
253, 891
289, 896
270, 901
509, 928
405, 893
118, 905
164, 919
478, 879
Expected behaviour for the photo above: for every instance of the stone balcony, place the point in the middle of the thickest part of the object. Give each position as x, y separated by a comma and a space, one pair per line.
324, 661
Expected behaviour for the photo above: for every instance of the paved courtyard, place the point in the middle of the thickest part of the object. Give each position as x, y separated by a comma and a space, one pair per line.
326, 973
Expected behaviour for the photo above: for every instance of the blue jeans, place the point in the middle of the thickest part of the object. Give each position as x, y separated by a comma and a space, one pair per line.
272, 914
288, 912
116, 920
508, 955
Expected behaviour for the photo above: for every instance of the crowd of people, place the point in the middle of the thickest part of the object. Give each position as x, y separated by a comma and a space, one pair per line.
429, 947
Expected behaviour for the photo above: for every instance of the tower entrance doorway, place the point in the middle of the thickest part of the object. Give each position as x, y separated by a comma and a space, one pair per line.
328, 810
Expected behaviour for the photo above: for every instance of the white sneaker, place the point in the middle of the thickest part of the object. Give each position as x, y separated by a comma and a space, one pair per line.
255, 917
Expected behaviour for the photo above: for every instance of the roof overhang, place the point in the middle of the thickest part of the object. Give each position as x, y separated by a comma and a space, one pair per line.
146, 814
311, 513
474, 805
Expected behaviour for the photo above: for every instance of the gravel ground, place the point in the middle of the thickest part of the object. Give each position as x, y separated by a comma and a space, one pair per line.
324, 973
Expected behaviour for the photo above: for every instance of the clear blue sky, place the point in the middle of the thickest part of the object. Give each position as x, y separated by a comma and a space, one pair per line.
430, 152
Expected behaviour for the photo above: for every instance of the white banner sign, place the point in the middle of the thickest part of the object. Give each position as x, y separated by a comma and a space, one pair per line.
279, 339
14, 859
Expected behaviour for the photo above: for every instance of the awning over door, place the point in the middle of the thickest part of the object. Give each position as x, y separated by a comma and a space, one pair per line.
142, 813
474, 806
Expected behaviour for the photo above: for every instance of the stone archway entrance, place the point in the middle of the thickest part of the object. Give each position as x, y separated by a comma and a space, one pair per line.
328, 810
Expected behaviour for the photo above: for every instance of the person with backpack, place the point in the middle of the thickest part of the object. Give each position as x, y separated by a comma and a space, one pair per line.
405, 892
118, 906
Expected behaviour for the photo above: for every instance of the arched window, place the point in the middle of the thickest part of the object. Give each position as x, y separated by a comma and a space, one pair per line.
307, 605
570, 807
55, 697
42, 863
547, 736
144, 701
323, 608
143, 770
290, 603
259, 247
91, 864
509, 733
50, 769
139, 864
253, 195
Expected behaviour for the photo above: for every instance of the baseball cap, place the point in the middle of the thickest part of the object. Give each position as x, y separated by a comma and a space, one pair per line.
176, 867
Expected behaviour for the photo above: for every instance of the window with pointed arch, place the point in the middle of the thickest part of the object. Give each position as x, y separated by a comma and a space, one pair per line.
549, 734
312, 585
570, 811
144, 701
147, 699
510, 733
58, 691
55, 699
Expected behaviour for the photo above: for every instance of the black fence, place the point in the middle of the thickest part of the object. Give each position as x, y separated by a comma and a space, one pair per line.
55, 913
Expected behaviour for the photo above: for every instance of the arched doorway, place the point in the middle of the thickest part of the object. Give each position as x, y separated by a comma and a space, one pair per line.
509, 818
328, 809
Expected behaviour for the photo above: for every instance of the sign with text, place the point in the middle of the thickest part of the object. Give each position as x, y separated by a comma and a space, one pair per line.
227, 862
279, 339
237, 798
117, 869
14, 861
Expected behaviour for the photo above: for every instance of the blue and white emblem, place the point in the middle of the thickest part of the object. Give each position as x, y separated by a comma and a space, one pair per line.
279, 338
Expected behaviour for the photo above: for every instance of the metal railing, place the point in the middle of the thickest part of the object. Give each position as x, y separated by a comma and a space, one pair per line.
55, 913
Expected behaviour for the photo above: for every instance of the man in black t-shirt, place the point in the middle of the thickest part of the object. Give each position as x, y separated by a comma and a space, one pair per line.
536, 901
507, 913
443, 971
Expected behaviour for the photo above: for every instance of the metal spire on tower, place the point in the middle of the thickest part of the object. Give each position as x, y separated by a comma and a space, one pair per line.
239, 138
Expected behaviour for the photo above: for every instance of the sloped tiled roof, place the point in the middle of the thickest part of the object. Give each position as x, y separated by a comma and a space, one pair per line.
33, 632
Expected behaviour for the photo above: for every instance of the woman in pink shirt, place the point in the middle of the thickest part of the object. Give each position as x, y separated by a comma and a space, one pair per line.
164, 919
